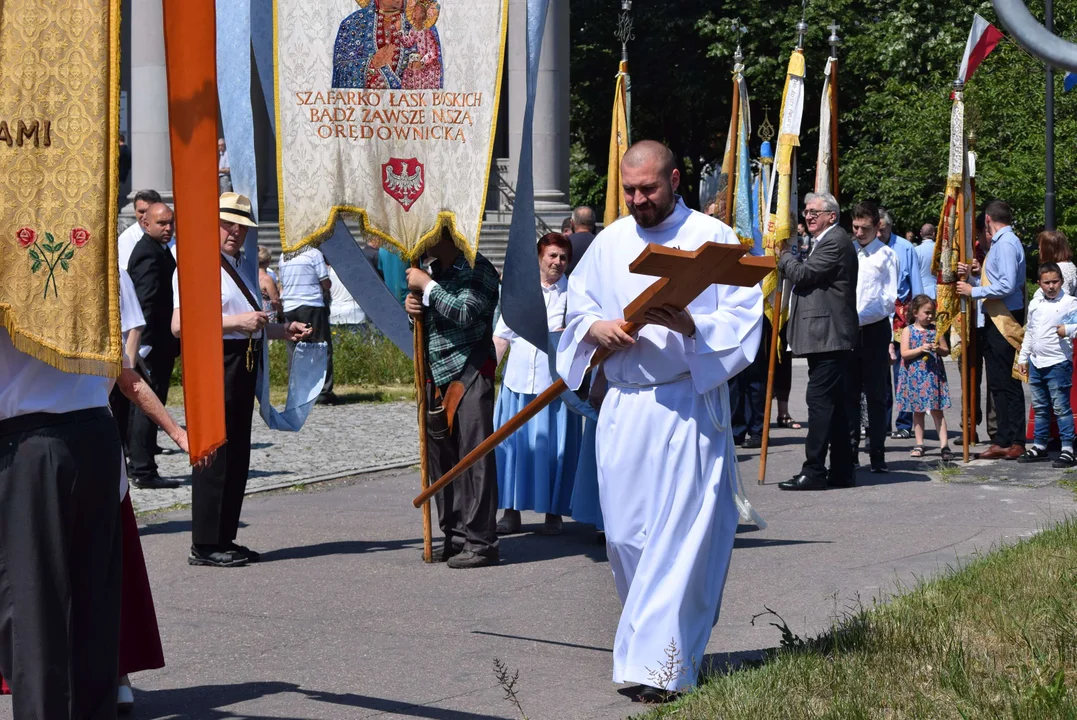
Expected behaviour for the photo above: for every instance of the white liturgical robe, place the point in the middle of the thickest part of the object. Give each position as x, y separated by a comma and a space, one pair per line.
666, 459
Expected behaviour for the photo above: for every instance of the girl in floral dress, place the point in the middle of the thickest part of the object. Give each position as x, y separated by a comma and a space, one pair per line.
922, 384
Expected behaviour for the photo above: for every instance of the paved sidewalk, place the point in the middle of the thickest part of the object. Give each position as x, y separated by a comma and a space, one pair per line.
336, 441
342, 620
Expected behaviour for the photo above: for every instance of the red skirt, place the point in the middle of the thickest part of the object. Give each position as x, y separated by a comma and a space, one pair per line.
140, 639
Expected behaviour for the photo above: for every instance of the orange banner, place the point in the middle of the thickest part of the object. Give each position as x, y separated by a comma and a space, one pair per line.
191, 58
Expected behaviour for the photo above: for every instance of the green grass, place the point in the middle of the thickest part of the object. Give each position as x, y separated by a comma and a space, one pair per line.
996, 638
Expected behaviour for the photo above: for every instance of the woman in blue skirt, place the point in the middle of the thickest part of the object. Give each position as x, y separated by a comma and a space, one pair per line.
536, 465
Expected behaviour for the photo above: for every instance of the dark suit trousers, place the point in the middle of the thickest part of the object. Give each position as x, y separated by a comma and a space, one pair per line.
142, 430
748, 392
869, 373
318, 318
60, 564
217, 491
1008, 395
828, 425
467, 507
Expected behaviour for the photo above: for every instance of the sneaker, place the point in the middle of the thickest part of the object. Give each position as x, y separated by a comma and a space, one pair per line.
1036, 454
252, 556
215, 556
752, 442
468, 559
1065, 460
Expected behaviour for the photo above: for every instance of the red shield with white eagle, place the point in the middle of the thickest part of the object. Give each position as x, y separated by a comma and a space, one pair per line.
403, 179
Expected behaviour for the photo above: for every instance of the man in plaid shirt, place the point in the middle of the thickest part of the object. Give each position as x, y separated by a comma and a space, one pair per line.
457, 307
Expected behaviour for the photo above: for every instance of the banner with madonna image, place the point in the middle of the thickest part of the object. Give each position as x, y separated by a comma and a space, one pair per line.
385, 113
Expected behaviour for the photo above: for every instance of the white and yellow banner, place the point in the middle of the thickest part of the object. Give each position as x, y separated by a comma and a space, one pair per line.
386, 111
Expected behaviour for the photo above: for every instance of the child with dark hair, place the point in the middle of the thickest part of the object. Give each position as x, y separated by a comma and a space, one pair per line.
922, 386
1047, 357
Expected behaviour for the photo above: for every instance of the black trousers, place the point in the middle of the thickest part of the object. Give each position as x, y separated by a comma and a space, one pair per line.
828, 424
1005, 390
217, 491
783, 370
869, 373
142, 447
60, 564
981, 408
318, 318
748, 392
121, 410
467, 507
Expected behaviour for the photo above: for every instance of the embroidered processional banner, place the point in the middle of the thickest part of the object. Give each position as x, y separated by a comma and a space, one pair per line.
386, 112
59, 119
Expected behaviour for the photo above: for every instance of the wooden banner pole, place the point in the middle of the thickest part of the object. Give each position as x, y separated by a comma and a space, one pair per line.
424, 468
772, 363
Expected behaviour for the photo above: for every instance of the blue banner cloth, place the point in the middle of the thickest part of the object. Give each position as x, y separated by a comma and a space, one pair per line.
362, 281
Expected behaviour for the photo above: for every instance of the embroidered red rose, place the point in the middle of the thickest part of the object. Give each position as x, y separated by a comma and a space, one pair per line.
26, 237
79, 237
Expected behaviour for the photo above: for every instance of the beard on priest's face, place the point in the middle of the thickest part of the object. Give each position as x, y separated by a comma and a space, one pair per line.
650, 194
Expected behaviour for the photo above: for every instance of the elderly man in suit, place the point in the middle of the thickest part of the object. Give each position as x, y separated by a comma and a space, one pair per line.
823, 328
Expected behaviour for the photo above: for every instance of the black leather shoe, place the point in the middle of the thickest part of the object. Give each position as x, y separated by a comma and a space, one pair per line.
879, 467
252, 556
655, 696
215, 556
468, 559
802, 482
154, 482
752, 442
841, 481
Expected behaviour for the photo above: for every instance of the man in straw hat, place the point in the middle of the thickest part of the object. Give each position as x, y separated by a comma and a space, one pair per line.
217, 496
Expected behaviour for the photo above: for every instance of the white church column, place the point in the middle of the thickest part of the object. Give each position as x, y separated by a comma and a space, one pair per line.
151, 163
551, 129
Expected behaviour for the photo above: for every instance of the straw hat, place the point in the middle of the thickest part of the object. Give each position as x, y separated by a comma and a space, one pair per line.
237, 208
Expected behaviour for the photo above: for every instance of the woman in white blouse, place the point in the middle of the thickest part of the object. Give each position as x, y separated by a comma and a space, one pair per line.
536, 465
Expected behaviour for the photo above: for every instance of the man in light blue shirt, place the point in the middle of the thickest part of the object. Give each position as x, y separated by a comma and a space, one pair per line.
1002, 279
909, 286
925, 252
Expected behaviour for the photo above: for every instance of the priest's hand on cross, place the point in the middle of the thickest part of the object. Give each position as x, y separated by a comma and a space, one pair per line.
672, 317
608, 334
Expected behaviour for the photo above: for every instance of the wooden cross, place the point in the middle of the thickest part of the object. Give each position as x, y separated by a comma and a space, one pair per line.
684, 274
687, 273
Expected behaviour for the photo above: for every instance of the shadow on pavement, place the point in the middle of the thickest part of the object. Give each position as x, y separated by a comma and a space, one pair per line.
209, 702
340, 547
530, 546
544, 642
749, 543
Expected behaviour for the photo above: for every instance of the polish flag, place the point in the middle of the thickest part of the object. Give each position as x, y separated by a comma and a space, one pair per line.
983, 37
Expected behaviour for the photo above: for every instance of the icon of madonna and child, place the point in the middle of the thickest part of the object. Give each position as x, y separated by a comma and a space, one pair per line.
389, 45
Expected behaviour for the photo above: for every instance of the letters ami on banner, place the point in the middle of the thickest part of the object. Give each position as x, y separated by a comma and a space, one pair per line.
386, 111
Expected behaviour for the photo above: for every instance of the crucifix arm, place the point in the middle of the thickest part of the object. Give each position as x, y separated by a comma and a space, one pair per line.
820, 267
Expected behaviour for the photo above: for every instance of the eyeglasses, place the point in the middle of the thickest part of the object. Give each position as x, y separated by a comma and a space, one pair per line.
816, 213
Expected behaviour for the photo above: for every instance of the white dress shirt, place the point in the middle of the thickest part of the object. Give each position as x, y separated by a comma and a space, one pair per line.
233, 301
130, 237
343, 310
876, 281
29, 385
528, 368
1042, 345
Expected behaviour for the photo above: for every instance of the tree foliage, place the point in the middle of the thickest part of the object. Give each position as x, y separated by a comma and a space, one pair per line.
898, 59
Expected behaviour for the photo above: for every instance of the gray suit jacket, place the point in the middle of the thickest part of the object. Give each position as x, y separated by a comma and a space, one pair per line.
822, 313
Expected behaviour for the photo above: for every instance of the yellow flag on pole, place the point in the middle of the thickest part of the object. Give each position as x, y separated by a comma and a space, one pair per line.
619, 139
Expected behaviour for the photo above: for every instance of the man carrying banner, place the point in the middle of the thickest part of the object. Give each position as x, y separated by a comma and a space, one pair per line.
457, 306
217, 490
666, 459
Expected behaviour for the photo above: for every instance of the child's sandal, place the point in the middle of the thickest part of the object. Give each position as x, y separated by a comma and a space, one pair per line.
947, 454
917, 452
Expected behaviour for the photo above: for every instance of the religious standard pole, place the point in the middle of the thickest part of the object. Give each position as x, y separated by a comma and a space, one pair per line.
731, 143
776, 312
424, 467
970, 420
834, 42
1049, 195
624, 34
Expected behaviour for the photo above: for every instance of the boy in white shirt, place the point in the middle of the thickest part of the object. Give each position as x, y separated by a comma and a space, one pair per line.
1047, 357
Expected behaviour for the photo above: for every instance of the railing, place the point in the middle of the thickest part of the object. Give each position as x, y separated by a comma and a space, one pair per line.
508, 195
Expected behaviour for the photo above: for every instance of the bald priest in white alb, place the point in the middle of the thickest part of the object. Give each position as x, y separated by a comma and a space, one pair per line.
666, 459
